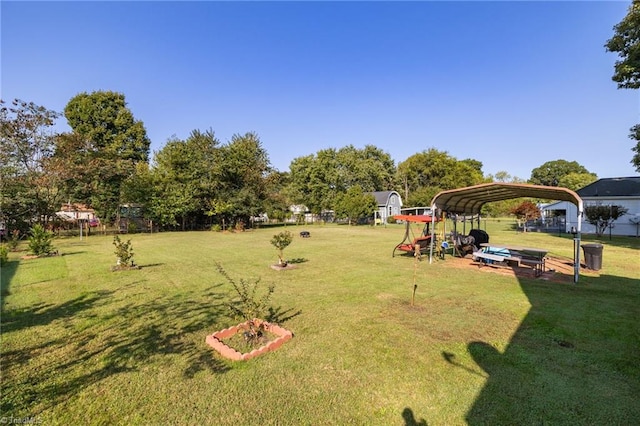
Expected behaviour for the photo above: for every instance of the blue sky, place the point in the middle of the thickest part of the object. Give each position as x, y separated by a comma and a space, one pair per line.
511, 84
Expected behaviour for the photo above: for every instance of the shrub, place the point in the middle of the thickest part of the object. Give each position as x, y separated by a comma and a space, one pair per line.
124, 251
216, 228
4, 254
247, 306
391, 219
40, 240
14, 240
280, 242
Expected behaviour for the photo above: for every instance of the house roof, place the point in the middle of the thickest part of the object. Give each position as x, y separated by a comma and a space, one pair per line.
612, 187
470, 200
382, 197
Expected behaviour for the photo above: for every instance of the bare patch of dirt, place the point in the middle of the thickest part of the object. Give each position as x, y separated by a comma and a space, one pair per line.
557, 269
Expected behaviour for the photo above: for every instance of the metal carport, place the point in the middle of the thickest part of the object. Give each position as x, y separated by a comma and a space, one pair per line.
469, 201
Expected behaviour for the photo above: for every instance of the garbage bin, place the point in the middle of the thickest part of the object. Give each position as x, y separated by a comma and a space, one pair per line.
593, 256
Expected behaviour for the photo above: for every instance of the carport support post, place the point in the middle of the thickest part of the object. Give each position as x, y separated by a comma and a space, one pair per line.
576, 257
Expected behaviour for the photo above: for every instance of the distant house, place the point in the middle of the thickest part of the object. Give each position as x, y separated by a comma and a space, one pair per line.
622, 191
389, 204
73, 212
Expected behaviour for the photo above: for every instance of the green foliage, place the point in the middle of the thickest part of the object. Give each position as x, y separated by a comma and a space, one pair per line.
199, 178
602, 217
29, 188
123, 252
425, 174
14, 240
104, 118
355, 204
635, 135
40, 240
247, 305
216, 228
102, 151
281, 241
4, 254
552, 172
318, 180
575, 181
626, 43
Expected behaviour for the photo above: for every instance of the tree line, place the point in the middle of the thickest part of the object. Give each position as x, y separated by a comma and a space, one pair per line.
105, 161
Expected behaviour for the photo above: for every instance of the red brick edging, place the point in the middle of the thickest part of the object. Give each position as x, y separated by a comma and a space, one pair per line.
215, 341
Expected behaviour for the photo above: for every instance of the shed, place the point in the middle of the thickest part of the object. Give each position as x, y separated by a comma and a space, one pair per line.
389, 204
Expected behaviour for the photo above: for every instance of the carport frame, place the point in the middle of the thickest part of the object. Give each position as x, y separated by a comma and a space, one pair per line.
469, 200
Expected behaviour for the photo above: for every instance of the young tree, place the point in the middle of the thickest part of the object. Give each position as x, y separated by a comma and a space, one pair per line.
602, 217
281, 241
526, 211
626, 43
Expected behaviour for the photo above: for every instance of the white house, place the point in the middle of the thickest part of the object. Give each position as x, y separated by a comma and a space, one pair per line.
622, 191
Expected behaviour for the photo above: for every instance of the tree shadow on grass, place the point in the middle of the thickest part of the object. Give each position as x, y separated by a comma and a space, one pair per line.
7, 272
573, 359
102, 335
44, 313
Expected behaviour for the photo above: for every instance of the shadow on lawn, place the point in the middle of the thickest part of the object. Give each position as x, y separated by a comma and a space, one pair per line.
410, 419
573, 359
103, 334
7, 272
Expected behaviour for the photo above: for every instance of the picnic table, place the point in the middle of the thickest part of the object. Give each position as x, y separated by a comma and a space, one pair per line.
518, 255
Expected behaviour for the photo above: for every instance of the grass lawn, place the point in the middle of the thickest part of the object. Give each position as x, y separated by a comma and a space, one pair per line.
84, 345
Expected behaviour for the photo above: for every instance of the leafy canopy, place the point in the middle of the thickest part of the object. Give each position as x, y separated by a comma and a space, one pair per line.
626, 43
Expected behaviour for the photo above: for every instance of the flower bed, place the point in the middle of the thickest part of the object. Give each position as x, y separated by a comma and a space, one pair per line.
217, 340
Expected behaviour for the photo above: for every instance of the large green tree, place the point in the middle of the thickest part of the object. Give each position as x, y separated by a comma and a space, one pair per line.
318, 180
426, 173
626, 43
186, 176
110, 140
28, 190
244, 172
551, 173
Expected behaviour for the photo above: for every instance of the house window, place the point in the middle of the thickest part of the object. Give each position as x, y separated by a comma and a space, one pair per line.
390, 211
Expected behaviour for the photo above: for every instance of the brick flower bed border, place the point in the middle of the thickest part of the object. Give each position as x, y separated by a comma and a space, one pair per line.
215, 341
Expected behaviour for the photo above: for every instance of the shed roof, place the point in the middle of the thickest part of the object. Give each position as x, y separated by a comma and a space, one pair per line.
382, 197
612, 187
470, 200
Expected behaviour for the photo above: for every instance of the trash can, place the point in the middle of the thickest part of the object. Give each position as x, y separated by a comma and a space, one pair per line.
593, 256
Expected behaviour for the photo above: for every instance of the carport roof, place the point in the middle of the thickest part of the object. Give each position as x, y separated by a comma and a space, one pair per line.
470, 200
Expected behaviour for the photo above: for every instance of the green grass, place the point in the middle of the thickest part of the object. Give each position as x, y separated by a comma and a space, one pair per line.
84, 345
